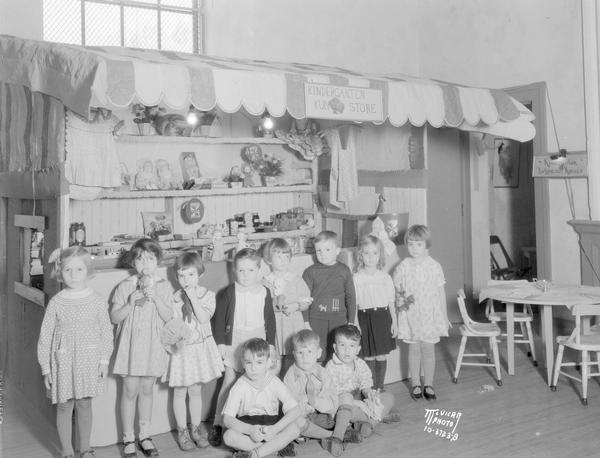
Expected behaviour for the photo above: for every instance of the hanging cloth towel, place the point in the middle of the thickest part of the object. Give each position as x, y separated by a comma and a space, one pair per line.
91, 152
343, 178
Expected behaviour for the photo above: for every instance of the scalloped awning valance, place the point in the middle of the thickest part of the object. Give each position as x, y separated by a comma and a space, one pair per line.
114, 77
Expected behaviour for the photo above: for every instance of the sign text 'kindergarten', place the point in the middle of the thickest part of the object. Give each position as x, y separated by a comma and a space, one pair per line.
340, 102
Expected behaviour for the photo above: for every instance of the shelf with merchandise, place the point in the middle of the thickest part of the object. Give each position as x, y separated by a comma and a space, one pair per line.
110, 194
200, 140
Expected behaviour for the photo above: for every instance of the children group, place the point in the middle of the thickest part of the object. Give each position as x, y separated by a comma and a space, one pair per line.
326, 333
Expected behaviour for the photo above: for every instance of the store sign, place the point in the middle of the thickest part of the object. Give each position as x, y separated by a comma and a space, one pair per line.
341, 102
573, 166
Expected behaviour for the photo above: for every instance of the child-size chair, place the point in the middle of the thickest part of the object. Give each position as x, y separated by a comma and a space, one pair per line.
524, 318
471, 328
581, 339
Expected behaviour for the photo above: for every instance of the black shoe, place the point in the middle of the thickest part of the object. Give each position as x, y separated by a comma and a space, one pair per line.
416, 392
288, 450
150, 449
430, 396
215, 436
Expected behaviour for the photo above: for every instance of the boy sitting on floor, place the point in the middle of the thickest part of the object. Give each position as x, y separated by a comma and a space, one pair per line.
353, 382
312, 387
251, 412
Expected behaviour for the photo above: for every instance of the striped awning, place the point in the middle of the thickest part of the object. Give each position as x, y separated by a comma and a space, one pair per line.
114, 77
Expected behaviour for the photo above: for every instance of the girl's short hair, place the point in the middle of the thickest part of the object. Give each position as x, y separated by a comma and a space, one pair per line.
366, 241
256, 346
66, 255
305, 337
187, 260
326, 236
349, 331
247, 253
418, 232
145, 245
277, 245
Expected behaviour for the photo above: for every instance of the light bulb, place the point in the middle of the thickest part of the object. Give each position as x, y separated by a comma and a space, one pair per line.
192, 118
268, 123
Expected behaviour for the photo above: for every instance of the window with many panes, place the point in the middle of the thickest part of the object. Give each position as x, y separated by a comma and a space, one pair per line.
171, 25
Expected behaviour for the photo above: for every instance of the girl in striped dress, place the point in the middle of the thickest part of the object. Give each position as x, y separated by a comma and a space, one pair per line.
75, 345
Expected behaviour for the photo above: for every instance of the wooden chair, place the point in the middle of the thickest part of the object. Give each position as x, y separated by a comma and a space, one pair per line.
584, 340
524, 318
502, 266
471, 328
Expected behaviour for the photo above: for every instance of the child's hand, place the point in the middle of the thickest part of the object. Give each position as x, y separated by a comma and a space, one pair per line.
307, 326
268, 432
256, 434
372, 395
136, 297
394, 330
290, 308
48, 381
102, 370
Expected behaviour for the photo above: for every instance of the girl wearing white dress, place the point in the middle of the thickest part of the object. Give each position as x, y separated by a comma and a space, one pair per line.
195, 360
422, 316
75, 344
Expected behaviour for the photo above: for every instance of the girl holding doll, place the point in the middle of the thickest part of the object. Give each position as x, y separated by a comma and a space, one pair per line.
291, 297
195, 359
375, 296
141, 305
74, 347
422, 315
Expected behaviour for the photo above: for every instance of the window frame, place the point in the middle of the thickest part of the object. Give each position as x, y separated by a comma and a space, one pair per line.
195, 11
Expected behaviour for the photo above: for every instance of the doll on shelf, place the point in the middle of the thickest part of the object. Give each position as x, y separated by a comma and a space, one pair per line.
164, 175
145, 179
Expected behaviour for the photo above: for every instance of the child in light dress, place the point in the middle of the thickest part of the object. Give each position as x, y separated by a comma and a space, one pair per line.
251, 413
74, 347
195, 359
244, 311
375, 295
290, 296
141, 306
422, 316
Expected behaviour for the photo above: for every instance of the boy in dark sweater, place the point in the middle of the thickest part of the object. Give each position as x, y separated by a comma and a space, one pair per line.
332, 289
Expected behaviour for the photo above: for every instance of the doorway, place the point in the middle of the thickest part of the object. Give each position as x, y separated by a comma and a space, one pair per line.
512, 207
533, 96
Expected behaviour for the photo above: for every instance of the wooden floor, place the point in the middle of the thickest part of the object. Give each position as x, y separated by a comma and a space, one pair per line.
522, 418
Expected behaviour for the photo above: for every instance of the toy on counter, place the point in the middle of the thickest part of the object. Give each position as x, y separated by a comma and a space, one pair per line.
164, 174
235, 177
145, 179
217, 246
242, 238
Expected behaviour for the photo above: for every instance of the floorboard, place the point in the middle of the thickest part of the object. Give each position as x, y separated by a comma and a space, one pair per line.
522, 418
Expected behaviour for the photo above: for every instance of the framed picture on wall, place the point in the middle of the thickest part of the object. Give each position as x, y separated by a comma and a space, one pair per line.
506, 163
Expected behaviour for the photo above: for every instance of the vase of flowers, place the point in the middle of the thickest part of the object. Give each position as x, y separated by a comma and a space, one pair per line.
267, 166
